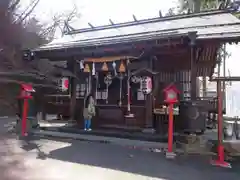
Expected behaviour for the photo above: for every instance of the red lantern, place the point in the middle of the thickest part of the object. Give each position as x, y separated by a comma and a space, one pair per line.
26, 90
171, 94
65, 84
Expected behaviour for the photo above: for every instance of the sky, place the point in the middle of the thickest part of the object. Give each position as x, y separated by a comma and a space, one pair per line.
98, 12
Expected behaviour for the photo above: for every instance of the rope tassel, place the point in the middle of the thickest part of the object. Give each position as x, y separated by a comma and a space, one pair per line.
93, 69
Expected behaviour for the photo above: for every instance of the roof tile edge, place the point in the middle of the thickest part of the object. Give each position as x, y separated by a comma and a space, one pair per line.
150, 20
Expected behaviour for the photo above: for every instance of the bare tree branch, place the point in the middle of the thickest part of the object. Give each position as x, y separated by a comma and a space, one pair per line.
28, 11
14, 4
61, 22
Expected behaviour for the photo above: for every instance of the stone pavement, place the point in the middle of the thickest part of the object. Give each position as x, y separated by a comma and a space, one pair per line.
71, 159
139, 144
64, 159
203, 147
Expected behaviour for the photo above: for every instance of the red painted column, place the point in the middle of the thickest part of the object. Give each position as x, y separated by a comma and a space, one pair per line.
24, 117
170, 128
220, 126
220, 161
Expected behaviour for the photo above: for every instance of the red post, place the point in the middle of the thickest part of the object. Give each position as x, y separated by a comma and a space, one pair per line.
220, 126
25, 94
170, 128
220, 161
171, 97
24, 117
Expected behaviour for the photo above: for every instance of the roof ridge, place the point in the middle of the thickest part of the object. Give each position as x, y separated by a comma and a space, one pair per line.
149, 20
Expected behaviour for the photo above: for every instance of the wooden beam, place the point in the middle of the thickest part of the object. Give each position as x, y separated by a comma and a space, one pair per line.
171, 52
111, 22
160, 14
235, 78
91, 25
4, 80
108, 59
73, 83
126, 46
134, 18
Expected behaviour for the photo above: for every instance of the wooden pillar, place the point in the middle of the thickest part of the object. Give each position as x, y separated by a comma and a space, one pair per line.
149, 111
149, 106
72, 65
224, 75
192, 36
40, 99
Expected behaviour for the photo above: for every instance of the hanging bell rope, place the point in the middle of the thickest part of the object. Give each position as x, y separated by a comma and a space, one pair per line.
93, 69
108, 82
114, 68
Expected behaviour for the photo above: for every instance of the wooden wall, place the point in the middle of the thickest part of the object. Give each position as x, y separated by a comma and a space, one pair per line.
110, 113
172, 65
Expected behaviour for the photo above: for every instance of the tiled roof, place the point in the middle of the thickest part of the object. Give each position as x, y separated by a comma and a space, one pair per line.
215, 24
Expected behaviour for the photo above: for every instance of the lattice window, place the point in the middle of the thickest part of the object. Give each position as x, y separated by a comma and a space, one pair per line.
101, 95
104, 94
80, 90
98, 95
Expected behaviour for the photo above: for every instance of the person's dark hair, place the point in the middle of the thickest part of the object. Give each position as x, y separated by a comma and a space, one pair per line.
87, 100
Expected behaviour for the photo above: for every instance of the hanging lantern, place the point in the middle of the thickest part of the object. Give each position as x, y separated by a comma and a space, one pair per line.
64, 84
146, 85
104, 67
122, 68
87, 68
